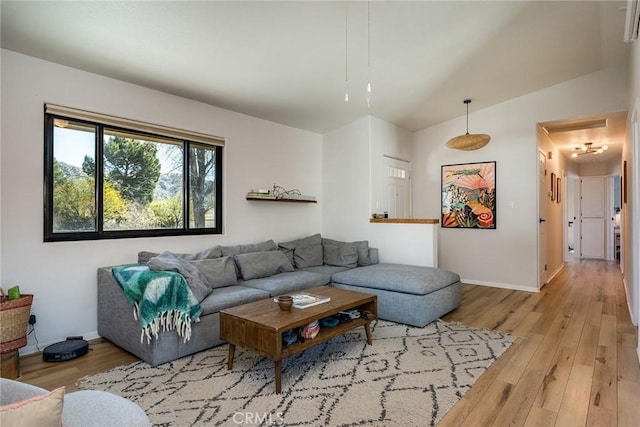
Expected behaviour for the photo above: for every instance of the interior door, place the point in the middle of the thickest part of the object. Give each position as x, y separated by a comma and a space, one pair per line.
592, 210
396, 194
542, 218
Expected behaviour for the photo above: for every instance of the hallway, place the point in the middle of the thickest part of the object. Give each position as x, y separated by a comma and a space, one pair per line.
576, 364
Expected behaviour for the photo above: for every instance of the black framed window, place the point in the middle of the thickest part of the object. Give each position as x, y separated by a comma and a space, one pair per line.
105, 181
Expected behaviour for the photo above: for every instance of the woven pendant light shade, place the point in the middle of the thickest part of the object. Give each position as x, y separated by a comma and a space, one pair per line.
469, 142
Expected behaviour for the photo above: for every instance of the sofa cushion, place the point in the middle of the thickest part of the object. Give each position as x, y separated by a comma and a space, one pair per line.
43, 411
171, 262
268, 245
409, 279
255, 265
145, 256
324, 269
218, 272
289, 247
340, 255
230, 296
362, 248
307, 255
284, 283
212, 252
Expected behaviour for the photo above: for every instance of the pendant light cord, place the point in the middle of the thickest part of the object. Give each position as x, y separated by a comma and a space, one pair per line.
346, 50
368, 94
467, 101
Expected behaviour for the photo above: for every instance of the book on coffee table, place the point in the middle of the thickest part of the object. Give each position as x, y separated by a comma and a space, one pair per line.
304, 300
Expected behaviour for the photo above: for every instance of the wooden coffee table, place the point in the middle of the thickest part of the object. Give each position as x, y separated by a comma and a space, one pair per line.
258, 326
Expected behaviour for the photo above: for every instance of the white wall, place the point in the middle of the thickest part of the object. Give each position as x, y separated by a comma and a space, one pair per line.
63, 275
597, 169
345, 181
506, 256
353, 166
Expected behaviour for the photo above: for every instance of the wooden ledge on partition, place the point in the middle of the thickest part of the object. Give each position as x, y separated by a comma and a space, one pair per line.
404, 221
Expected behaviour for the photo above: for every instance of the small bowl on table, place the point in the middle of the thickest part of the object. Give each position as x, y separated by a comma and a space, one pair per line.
285, 302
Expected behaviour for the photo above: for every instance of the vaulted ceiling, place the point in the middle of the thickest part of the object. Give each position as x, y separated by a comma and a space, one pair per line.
287, 62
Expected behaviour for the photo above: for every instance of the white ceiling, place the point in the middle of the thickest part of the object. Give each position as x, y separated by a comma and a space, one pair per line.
285, 61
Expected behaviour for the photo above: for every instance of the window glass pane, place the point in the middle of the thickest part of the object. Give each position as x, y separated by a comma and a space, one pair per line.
142, 182
74, 195
202, 186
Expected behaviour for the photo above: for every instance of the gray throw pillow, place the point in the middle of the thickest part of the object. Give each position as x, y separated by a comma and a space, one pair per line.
307, 256
268, 245
230, 250
265, 246
362, 248
341, 255
288, 247
212, 252
256, 265
219, 272
172, 262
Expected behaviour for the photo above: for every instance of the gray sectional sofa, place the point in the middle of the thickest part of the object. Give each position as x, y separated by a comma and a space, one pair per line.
226, 276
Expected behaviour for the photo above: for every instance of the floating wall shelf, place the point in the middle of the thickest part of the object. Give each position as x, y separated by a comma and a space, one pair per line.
264, 199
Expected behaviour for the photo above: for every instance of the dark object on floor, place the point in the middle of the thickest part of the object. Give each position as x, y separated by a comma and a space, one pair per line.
72, 348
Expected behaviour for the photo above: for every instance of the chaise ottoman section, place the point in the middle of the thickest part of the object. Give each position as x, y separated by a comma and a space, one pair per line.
408, 294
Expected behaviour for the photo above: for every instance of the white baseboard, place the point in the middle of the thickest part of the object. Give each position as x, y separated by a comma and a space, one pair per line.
555, 273
634, 316
32, 349
500, 285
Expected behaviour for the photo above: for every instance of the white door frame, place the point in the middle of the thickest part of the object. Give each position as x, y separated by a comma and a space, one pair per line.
542, 218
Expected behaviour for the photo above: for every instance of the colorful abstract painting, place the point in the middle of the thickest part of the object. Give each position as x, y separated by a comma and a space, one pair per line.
469, 195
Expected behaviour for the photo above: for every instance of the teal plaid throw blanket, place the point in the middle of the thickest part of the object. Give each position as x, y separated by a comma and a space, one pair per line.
159, 299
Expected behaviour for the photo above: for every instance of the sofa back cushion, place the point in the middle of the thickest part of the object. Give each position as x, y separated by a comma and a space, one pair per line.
145, 256
268, 245
212, 252
307, 256
340, 255
255, 265
362, 248
218, 272
310, 249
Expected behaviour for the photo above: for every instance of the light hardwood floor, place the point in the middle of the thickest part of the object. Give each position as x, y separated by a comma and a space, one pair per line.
574, 364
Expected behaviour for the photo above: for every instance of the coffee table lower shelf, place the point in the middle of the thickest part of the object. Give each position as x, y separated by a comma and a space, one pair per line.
259, 326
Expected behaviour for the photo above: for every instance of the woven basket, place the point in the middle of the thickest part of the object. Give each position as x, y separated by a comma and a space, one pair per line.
14, 318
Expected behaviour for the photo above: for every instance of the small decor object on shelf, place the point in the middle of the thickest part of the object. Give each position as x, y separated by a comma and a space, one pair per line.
304, 300
281, 194
260, 194
14, 318
295, 194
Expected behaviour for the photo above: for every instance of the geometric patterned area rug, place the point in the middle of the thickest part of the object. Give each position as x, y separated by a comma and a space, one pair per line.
409, 376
